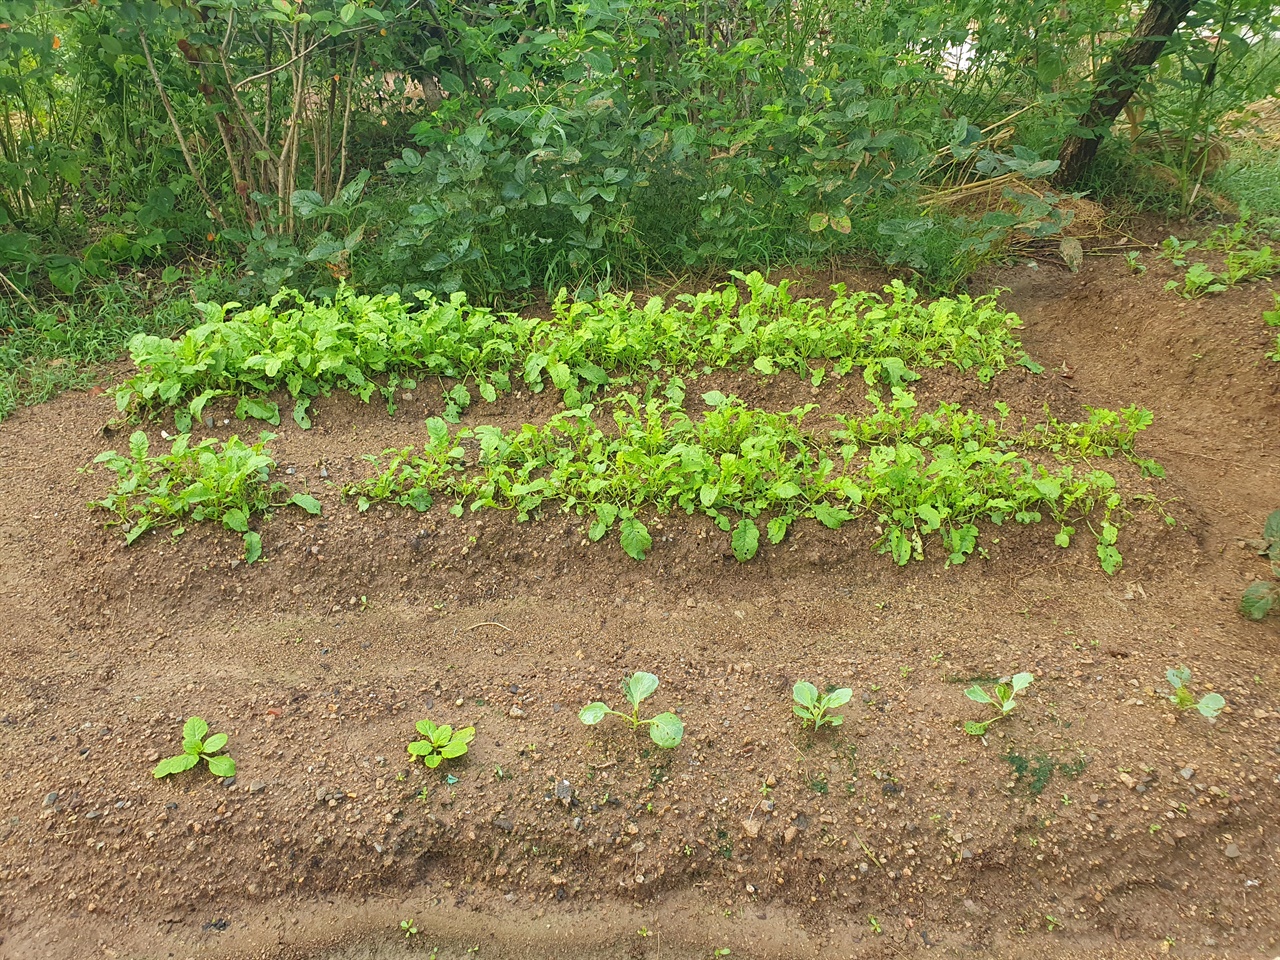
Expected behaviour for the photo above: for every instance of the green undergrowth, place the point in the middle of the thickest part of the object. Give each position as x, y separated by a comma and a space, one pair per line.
51, 347
225, 482
369, 345
915, 474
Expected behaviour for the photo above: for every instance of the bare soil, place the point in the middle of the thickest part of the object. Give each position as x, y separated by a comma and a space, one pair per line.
1092, 822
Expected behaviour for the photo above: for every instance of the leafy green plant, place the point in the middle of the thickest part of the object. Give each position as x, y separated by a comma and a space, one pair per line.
1260, 596
410, 928
1198, 281
227, 482
376, 345
440, 743
812, 708
197, 745
1133, 260
1001, 697
665, 729
755, 473
1208, 706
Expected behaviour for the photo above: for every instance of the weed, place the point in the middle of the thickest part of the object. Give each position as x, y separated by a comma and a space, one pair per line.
197, 745
875, 925
205, 481
1209, 706
440, 743
1051, 923
666, 729
1260, 596
1133, 262
812, 708
410, 928
1001, 697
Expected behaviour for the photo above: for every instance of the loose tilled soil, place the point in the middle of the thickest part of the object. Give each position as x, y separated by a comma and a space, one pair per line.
1092, 822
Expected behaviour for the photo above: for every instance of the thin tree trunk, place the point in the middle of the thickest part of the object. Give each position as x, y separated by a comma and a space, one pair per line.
1119, 79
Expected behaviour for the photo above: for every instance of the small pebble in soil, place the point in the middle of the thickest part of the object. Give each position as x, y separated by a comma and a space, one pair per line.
516, 713
51, 798
1232, 851
1187, 773
257, 786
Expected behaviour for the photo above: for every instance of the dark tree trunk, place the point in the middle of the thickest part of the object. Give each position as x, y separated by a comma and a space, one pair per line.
1117, 83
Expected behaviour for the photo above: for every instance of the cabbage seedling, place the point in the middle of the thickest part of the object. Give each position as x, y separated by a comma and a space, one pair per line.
440, 743
197, 745
1210, 705
665, 729
1001, 698
812, 709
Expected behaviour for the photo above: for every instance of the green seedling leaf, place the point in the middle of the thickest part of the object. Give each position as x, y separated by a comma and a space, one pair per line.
222, 766
252, 547
837, 698
745, 540
1211, 705
1258, 599
300, 416
1021, 681
977, 694
975, 729
638, 687
666, 730
215, 743
259, 410
195, 730
440, 742
635, 538
172, 765
306, 502
593, 713
1178, 677
805, 694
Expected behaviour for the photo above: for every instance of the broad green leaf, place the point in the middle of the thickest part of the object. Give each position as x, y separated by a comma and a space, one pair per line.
786, 490
835, 720
1021, 681
194, 729
635, 538
444, 733
1258, 599
765, 365
236, 520
306, 502
639, 686
172, 765
745, 540
252, 547
215, 743
777, 529
593, 713
426, 728
666, 730
432, 760
259, 410
1211, 705
1177, 677
421, 748
300, 416
805, 693
455, 748
837, 698
979, 695
831, 517
222, 766
975, 729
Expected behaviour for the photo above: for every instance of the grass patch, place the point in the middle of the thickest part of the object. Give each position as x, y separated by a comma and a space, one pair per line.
59, 346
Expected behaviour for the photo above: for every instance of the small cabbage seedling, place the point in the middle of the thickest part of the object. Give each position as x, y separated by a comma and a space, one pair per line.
665, 729
197, 745
440, 743
1210, 705
812, 709
1261, 595
1001, 698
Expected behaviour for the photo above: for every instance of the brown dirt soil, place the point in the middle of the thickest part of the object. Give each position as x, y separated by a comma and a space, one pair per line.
894, 835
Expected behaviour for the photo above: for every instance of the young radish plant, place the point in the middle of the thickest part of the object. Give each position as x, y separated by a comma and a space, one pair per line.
812, 708
1001, 698
666, 729
197, 745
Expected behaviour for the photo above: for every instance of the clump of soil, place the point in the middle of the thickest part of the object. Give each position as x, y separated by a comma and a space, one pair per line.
1095, 818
